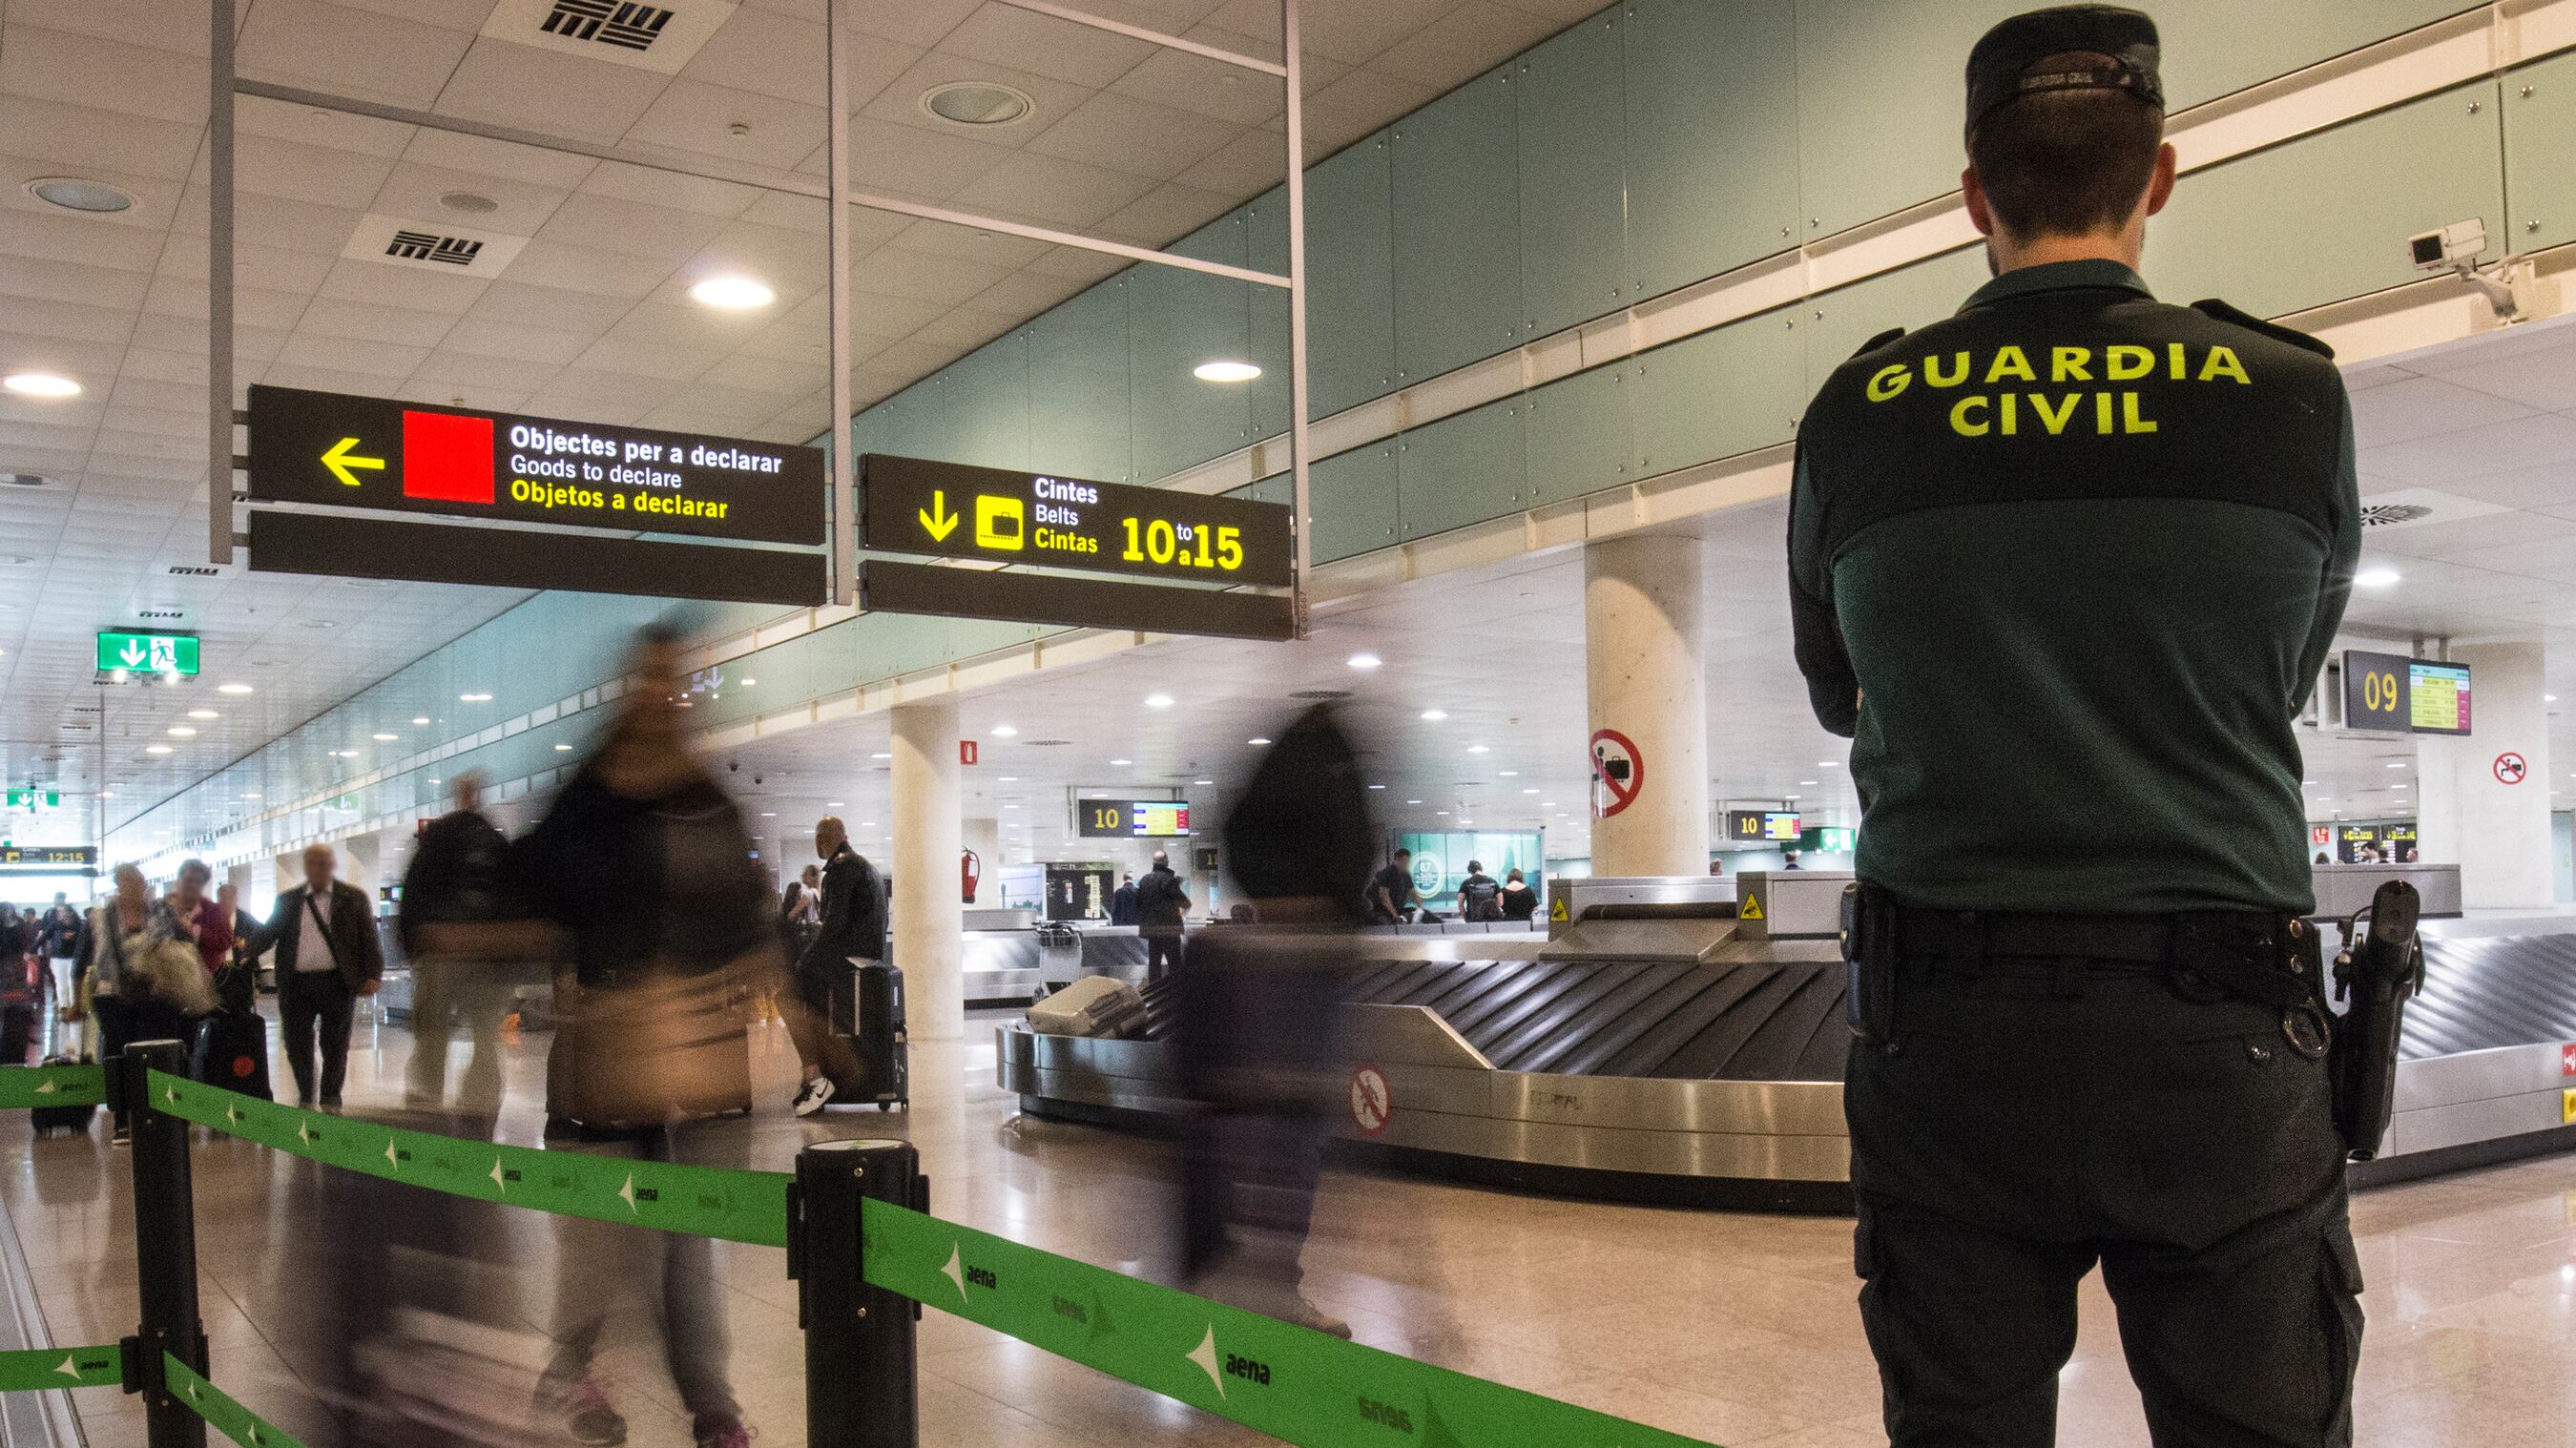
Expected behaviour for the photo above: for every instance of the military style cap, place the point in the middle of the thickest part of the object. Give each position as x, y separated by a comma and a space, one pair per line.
2002, 70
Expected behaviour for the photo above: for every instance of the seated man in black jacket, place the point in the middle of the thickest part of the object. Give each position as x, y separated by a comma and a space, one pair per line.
852, 927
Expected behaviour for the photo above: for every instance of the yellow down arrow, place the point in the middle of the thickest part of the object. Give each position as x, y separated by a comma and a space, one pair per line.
936, 520
339, 461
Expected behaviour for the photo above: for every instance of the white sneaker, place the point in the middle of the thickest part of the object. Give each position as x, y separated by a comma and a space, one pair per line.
815, 1094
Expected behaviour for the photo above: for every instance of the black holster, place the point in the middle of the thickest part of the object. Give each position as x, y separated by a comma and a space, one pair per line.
2379, 969
1869, 958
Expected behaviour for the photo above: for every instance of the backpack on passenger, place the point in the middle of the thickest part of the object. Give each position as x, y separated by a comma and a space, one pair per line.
1482, 899
48, 1120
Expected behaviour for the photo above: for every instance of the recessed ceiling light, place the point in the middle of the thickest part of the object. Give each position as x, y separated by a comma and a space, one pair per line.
1122, 762
977, 103
1441, 812
420, 719
836, 804
73, 193
1829, 764
387, 738
1530, 791
469, 203
1256, 740
1004, 731
747, 683
1202, 781
253, 794
156, 748
1511, 774
233, 689
563, 749
24, 480
734, 294
1806, 781
1364, 661
474, 698
2375, 577
203, 714
40, 384
1225, 371
1158, 701
1413, 801
1377, 786
2397, 764
1477, 749
182, 731
880, 756
769, 814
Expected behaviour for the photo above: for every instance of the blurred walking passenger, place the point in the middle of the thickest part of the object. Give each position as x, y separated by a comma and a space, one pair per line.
146, 981
1161, 905
59, 942
200, 921
453, 889
1258, 1026
644, 863
851, 927
327, 957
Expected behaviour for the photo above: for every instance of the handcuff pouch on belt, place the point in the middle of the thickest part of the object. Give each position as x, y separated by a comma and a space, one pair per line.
1869, 960
2282, 966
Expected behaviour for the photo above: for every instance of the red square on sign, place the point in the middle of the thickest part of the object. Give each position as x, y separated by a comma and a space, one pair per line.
2567, 1060
447, 459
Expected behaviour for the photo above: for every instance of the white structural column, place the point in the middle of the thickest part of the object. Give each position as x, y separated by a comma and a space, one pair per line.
1642, 632
927, 913
2496, 831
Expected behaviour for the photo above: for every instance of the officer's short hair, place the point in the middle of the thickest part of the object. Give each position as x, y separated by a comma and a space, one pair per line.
2066, 163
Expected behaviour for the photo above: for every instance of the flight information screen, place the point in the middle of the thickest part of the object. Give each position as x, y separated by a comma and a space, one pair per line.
2438, 697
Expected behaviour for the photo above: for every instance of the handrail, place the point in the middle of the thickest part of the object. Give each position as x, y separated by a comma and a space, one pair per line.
1293, 1383
703, 1201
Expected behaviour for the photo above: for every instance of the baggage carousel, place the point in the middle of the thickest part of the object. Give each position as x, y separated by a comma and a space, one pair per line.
1669, 1045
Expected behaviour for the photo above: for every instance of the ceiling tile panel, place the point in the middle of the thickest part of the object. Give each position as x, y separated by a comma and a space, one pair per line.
526, 165
550, 94
82, 138
700, 118
547, 263
79, 70
1464, 43
365, 322
1051, 191
413, 189
1044, 45
480, 340
1127, 134
559, 309
656, 233
348, 52
393, 286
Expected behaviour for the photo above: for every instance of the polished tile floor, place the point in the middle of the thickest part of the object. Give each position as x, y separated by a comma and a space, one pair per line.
1740, 1330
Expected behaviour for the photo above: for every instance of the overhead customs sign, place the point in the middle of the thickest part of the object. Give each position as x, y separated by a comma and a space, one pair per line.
955, 511
376, 453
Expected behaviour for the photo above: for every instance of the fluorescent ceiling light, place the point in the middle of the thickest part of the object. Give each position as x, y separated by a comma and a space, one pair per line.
1434, 716
1004, 731
420, 719
387, 738
733, 293
1256, 740
182, 731
203, 714
563, 749
156, 748
1122, 762
474, 698
1477, 749
1225, 370
1202, 781
1364, 661
2376, 577
1155, 701
235, 689
40, 384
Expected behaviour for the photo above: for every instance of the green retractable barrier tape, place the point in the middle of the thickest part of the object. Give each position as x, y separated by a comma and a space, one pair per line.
37, 1368
221, 1413
52, 1085
1292, 1383
703, 1201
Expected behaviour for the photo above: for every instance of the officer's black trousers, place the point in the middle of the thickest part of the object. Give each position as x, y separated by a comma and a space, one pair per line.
2033, 1122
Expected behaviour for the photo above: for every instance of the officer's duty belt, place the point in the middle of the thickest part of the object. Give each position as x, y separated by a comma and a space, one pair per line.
2141, 939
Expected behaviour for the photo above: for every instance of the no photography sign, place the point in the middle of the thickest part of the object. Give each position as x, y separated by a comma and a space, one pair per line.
1618, 772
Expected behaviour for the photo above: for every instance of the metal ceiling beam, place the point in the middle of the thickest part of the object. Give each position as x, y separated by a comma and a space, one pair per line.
840, 473
711, 169
1150, 37
219, 290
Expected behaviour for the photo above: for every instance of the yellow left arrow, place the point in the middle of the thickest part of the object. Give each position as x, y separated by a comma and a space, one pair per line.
339, 460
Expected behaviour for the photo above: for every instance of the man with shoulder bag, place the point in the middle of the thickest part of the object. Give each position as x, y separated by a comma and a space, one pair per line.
327, 957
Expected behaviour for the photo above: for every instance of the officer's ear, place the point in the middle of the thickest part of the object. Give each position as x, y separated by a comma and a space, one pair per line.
2160, 186
1979, 212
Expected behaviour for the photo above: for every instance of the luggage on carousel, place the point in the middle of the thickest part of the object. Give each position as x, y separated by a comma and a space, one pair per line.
230, 1049
1096, 1005
49, 1119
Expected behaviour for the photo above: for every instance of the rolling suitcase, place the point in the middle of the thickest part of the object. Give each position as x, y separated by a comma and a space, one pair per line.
230, 1049
1099, 1006
867, 1009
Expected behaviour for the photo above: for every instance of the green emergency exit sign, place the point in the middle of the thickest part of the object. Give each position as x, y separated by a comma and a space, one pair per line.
139, 653
35, 799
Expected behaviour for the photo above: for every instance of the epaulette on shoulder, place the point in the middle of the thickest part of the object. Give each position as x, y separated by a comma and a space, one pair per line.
2219, 311
1881, 340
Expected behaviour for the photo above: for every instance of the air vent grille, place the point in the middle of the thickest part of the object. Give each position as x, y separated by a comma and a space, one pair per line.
2421, 507
610, 22
2387, 515
194, 570
161, 614
1321, 696
1046, 743
430, 246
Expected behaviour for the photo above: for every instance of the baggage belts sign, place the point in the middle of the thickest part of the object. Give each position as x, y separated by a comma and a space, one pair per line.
372, 452
956, 511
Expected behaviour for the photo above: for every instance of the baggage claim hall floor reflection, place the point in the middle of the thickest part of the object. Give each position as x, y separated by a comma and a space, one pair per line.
1737, 1329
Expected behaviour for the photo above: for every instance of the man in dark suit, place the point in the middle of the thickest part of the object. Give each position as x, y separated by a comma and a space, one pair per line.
327, 957
1161, 904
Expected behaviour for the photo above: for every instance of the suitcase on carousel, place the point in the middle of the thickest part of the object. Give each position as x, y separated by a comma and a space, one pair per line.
1098, 1006
230, 1049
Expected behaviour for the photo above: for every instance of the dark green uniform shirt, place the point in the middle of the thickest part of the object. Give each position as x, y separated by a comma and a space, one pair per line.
2064, 567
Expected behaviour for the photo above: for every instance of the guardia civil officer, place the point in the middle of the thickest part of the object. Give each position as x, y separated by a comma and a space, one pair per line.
2074, 556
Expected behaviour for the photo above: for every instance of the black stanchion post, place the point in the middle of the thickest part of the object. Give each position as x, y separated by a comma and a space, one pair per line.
862, 1388
165, 1244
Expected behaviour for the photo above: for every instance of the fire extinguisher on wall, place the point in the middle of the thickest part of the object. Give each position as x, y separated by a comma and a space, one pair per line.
970, 874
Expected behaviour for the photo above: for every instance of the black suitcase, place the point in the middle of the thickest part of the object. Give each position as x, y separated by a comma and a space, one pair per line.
49, 1119
230, 1049
867, 1008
